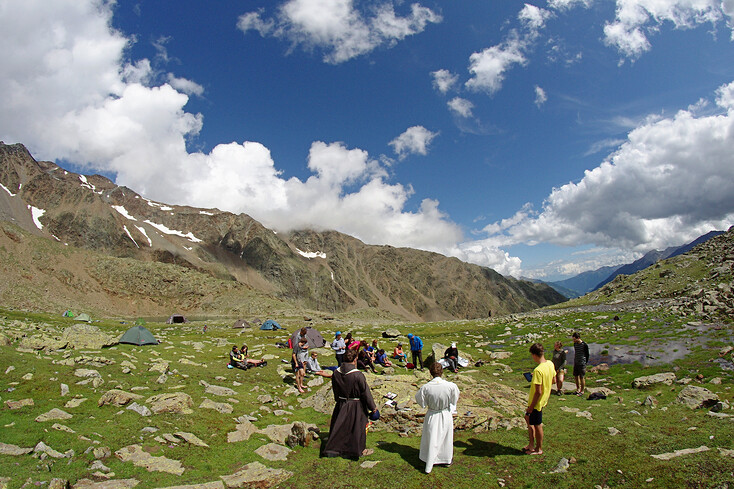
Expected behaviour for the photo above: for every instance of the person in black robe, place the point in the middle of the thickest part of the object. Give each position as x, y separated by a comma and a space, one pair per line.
348, 430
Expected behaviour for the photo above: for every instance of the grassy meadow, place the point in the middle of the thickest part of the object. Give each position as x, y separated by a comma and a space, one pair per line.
481, 459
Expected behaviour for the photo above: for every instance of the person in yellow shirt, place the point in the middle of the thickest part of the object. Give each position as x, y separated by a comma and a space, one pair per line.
540, 390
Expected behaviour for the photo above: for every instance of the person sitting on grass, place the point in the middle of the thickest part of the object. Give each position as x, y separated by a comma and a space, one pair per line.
540, 389
251, 361
381, 358
451, 355
398, 353
313, 367
236, 360
364, 361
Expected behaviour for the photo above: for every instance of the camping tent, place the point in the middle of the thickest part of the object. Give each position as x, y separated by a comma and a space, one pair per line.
314, 338
68, 314
270, 324
241, 323
176, 318
138, 335
84, 317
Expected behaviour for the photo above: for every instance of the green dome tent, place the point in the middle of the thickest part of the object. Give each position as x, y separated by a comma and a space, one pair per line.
138, 335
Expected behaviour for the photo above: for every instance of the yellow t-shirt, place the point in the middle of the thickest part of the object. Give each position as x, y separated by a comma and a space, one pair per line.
543, 375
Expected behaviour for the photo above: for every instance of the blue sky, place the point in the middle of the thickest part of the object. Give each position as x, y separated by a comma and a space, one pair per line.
540, 139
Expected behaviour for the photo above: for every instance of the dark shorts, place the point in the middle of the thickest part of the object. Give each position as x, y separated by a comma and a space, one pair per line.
536, 418
579, 370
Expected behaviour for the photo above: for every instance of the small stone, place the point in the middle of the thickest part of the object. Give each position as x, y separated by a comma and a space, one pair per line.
54, 414
562, 466
140, 409
273, 452
64, 390
680, 453
613, 431
368, 464
19, 404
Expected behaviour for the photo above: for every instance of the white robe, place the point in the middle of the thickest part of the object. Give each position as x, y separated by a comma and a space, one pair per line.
437, 440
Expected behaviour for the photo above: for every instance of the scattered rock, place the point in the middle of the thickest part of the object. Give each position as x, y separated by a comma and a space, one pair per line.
273, 452
64, 390
176, 402
650, 401
43, 449
87, 373
111, 484
61, 427
101, 452
613, 431
159, 366
726, 453
666, 378
207, 485
117, 397
500, 355
680, 453
87, 337
221, 407
98, 465
257, 475
369, 464
8, 449
302, 434
141, 458
57, 483
696, 397
54, 414
140, 409
19, 404
217, 390
242, 432
74, 403
191, 439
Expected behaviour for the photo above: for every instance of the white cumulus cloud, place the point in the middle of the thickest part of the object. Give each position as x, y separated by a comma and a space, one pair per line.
338, 27
444, 80
415, 140
669, 182
461, 106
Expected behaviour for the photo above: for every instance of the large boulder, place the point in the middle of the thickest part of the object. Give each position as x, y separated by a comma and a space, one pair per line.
390, 333
40, 342
87, 337
141, 458
697, 397
117, 397
666, 378
174, 402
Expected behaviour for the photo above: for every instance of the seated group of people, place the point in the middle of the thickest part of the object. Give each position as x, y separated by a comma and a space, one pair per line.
238, 358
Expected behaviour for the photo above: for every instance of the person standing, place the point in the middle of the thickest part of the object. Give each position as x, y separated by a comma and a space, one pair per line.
300, 355
580, 359
348, 428
540, 389
416, 350
559, 363
440, 397
339, 347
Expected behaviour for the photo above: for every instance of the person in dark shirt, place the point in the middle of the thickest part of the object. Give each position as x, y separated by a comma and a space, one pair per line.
559, 362
580, 359
451, 355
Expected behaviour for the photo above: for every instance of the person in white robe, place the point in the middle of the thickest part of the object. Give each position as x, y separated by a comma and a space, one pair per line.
437, 440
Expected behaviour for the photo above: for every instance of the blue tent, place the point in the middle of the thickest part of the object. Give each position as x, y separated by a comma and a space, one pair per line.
270, 325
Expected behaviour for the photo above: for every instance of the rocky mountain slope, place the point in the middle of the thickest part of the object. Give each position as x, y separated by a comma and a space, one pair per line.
698, 282
127, 253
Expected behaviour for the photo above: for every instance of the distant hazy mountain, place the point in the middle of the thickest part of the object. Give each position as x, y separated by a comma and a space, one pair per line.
654, 256
582, 283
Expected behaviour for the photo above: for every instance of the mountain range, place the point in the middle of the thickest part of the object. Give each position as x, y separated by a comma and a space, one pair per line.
81, 241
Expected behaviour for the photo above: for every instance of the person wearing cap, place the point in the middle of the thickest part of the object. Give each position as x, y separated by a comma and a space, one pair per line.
398, 353
451, 355
416, 350
440, 397
339, 347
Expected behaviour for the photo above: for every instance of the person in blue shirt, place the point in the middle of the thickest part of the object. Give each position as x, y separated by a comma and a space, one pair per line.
339, 347
416, 350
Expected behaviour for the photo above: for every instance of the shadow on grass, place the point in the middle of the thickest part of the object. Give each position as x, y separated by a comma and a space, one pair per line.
408, 453
474, 447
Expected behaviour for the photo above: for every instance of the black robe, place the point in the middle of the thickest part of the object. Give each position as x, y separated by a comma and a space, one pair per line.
347, 434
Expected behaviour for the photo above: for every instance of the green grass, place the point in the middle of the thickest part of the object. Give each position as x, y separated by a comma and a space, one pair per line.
480, 458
